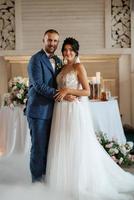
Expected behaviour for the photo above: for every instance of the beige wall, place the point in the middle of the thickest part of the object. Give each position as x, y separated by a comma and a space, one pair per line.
108, 69
83, 19
109, 73
18, 70
4, 76
125, 88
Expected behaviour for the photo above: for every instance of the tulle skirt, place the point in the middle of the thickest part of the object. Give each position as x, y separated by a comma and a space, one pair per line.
77, 164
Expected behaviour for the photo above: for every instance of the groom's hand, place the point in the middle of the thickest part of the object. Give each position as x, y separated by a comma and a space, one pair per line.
70, 97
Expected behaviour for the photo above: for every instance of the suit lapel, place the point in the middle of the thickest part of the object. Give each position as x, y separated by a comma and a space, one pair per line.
47, 61
58, 65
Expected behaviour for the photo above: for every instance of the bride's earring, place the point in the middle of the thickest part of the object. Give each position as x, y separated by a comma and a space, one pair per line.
77, 59
64, 61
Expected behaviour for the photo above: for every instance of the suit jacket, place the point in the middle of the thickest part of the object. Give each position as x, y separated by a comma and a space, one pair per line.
42, 86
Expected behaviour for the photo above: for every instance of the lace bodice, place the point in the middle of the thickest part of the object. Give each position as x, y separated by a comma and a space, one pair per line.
68, 80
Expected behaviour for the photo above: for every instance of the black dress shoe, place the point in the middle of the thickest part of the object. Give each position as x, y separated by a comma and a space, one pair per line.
35, 180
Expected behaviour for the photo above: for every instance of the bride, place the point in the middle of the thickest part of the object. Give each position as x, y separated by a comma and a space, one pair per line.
77, 164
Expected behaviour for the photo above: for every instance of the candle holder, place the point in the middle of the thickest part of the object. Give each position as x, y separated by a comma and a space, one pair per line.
95, 85
91, 90
98, 81
98, 91
94, 93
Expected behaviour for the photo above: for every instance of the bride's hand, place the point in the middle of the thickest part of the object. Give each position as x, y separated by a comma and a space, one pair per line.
70, 97
61, 94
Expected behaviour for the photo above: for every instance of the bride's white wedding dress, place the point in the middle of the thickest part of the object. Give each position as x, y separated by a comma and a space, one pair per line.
77, 164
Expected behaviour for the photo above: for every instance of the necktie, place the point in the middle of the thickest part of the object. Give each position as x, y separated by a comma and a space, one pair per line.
52, 57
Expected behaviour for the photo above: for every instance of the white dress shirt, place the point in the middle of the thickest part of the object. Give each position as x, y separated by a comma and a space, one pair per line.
52, 61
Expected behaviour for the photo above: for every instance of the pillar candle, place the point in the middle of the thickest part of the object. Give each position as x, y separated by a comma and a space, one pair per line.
98, 77
94, 79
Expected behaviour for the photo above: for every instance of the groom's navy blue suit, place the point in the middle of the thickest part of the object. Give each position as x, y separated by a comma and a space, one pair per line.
39, 109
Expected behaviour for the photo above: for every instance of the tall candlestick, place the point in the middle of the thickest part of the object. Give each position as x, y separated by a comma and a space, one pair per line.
98, 77
93, 83
94, 79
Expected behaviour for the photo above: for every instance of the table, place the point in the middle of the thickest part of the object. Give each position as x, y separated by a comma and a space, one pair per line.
14, 132
106, 119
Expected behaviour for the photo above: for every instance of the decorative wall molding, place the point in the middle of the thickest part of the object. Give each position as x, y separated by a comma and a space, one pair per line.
89, 58
121, 23
102, 51
7, 24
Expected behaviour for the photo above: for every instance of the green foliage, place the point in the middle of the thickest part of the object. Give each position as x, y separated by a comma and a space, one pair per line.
120, 153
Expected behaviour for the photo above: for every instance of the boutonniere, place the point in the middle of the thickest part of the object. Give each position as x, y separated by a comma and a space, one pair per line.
58, 65
58, 62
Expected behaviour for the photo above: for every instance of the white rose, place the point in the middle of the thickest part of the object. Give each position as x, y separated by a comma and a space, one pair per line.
109, 145
120, 160
24, 100
14, 88
26, 82
123, 150
116, 151
19, 96
130, 144
21, 91
19, 79
111, 151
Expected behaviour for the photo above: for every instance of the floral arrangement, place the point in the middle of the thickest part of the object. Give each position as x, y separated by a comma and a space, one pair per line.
119, 153
17, 95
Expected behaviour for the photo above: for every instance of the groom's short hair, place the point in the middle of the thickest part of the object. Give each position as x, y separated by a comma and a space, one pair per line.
51, 31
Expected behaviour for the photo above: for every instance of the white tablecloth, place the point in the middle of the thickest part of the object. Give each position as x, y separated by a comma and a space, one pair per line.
106, 118
14, 132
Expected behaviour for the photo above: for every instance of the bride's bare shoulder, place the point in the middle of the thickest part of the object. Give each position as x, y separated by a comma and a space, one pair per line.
79, 67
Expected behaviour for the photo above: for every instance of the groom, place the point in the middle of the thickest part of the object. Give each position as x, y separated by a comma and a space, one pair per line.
42, 70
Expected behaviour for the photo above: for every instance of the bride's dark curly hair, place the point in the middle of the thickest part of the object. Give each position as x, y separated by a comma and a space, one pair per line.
74, 44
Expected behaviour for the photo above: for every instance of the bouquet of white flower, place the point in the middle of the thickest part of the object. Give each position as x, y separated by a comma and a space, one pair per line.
119, 153
18, 88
